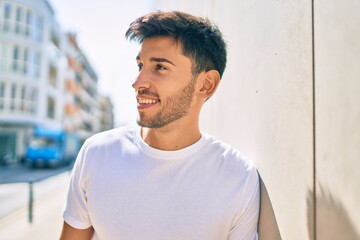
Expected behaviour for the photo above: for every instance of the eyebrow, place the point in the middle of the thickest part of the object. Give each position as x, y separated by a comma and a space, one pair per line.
155, 59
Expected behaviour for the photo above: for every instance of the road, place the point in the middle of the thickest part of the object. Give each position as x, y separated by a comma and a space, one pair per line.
21, 173
15, 187
49, 199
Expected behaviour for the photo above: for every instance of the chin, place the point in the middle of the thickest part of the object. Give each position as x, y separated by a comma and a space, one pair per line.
150, 124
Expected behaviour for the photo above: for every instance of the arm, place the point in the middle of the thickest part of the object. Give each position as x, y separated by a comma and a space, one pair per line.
77, 224
244, 225
268, 228
70, 233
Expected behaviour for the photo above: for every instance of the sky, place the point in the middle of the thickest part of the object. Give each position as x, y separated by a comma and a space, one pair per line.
100, 27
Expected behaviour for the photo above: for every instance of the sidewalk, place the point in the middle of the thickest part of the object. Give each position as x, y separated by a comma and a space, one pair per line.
47, 213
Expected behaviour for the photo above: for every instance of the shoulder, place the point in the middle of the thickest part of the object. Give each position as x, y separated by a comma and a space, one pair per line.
106, 146
233, 170
229, 157
225, 150
111, 137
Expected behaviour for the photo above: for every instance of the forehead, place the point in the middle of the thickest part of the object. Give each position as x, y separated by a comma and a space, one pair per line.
162, 46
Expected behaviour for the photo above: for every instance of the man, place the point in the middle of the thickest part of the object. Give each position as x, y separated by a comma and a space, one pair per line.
165, 179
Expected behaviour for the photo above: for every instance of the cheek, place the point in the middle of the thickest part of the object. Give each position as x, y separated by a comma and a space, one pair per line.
170, 84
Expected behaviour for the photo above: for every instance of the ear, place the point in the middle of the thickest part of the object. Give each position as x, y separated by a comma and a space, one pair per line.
209, 82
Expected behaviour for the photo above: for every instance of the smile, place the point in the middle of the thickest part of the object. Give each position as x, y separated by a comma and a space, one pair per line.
146, 101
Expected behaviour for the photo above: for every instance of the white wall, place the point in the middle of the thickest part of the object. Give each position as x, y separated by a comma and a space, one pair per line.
266, 97
337, 78
264, 105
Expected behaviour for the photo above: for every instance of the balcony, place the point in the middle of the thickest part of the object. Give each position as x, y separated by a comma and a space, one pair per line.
24, 30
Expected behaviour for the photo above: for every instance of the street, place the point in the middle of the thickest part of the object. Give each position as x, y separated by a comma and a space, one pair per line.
49, 192
23, 174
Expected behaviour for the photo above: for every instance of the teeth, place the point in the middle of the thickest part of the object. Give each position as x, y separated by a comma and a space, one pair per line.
147, 101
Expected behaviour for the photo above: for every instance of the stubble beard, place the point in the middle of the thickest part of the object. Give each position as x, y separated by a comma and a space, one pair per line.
172, 108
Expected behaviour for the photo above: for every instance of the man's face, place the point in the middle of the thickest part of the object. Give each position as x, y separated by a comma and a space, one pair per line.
165, 84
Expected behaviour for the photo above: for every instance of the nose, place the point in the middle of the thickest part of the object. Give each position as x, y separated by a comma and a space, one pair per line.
142, 81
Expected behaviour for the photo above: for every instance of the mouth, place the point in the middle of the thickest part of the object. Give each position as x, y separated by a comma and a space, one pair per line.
144, 102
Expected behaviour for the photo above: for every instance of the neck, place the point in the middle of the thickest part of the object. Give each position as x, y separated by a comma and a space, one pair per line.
171, 138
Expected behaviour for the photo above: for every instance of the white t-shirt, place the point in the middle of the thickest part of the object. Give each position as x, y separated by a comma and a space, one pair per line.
128, 190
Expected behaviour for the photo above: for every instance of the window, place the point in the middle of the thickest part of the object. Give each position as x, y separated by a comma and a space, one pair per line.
23, 98
13, 97
4, 56
78, 78
87, 108
7, 15
18, 20
52, 78
88, 126
77, 101
13, 91
2, 95
15, 59
33, 100
55, 39
38, 28
2, 90
28, 29
26, 61
51, 108
36, 60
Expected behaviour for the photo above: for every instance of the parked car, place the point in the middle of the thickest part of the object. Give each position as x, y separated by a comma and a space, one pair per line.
6, 159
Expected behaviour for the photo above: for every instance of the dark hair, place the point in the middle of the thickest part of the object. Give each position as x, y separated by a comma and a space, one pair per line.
201, 40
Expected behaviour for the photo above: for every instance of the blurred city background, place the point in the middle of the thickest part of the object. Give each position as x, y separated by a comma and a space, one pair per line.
289, 100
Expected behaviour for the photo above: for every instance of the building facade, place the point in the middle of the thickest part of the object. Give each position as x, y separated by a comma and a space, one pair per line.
30, 67
81, 109
45, 78
106, 113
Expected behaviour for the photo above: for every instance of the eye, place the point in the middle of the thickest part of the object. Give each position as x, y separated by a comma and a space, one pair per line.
140, 65
160, 67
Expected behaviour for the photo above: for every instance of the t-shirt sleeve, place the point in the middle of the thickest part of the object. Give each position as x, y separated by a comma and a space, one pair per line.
245, 224
76, 213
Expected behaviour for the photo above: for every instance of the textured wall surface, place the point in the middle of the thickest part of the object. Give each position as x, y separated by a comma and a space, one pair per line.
264, 105
337, 81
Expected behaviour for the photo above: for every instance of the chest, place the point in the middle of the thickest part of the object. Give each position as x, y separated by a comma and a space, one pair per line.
159, 202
